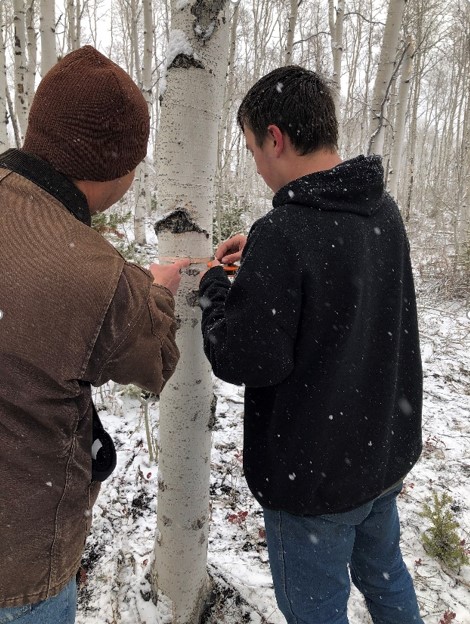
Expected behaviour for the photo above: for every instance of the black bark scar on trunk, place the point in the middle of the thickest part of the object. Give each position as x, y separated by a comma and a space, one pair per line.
178, 222
185, 62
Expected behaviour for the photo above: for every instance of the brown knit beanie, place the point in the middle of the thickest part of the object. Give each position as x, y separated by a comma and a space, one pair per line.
88, 118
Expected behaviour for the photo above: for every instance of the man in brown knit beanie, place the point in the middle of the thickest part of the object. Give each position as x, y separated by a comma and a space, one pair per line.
88, 119
73, 313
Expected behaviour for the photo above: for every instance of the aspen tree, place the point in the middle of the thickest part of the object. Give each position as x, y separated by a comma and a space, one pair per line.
384, 75
187, 161
4, 143
143, 68
74, 24
226, 133
32, 49
47, 32
294, 7
336, 19
21, 66
402, 106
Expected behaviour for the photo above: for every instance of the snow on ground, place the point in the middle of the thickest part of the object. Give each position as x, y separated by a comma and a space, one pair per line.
115, 589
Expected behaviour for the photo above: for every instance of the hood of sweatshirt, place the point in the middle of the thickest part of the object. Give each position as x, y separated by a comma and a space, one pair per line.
355, 186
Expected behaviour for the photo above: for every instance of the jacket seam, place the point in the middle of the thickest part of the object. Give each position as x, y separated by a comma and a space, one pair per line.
56, 523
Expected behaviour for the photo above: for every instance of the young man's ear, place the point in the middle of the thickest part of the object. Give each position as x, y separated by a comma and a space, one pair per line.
277, 138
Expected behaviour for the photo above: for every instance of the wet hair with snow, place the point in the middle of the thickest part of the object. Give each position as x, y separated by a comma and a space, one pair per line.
296, 100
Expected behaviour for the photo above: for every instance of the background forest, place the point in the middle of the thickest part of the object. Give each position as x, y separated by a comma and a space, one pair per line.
400, 70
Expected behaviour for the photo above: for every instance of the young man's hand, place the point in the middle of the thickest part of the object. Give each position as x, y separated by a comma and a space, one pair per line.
230, 251
169, 275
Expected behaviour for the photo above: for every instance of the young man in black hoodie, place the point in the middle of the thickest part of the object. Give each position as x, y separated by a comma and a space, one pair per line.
320, 325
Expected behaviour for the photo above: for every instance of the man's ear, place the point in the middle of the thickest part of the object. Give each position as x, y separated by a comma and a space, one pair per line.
277, 137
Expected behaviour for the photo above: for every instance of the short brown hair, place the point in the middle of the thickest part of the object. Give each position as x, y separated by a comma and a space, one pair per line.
296, 100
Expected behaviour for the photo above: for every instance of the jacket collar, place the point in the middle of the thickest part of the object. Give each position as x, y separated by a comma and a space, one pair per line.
46, 177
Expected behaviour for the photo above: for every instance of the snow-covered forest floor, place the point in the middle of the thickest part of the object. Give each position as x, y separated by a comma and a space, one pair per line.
119, 550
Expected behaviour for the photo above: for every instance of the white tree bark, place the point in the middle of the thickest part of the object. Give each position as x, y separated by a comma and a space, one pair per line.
47, 31
32, 49
134, 10
74, 24
402, 106
192, 102
291, 31
147, 88
384, 75
4, 143
336, 19
21, 66
462, 229
143, 70
142, 201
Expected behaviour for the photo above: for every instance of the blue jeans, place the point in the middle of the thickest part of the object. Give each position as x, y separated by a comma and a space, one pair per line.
59, 609
310, 557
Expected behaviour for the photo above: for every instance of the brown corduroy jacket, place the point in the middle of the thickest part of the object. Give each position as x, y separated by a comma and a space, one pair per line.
73, 312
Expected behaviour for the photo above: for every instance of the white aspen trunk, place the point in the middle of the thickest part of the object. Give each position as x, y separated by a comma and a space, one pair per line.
73, 16
412, 139
291, 31
21, 65
191, 106
71, 24
78, 21
135, 41
384, 75
32, 51
142, 205
336, 30
143, 72
462, 242
14, 121
142, 196
4, 143
225, 135
402, 106
47, 31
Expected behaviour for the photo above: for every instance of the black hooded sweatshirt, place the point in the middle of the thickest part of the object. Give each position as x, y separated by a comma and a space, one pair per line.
320, 325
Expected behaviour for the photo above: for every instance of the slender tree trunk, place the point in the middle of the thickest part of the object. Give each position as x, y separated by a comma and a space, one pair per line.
21, 66
74, 25
385, 74
462, 237
197, 57
31, 46
142, 195
4, 143
336, 30
144, 79
399, 135
412, 139
291, 31
47, 31
225, 134
135, 40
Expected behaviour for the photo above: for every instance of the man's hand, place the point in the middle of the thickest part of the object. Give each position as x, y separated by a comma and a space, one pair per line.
169, 275
230, 251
